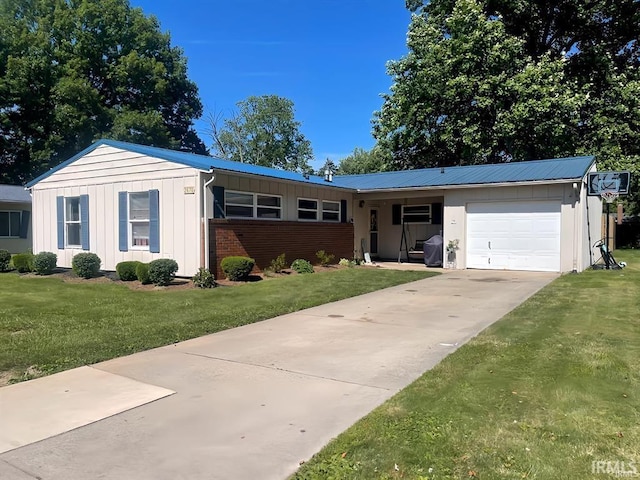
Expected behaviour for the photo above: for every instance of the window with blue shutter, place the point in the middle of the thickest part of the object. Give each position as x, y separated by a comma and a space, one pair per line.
72, 219
139, 221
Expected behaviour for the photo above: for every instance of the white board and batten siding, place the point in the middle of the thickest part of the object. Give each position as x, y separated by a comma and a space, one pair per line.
102, 174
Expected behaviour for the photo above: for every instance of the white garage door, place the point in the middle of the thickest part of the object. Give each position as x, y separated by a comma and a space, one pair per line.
514, 236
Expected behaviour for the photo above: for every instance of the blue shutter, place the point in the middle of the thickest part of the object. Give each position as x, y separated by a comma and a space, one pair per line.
123, 224
343, 211
154, 221
60, 215
84, 221
218, 202
24, 223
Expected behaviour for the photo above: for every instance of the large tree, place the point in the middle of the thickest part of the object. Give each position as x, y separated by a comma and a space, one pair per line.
72, 71
263, 132
364, 161
503, 80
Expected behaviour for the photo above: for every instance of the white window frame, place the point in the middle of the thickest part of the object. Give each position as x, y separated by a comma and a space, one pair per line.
407, 217
331, 212
255, 205
314, 210
11, 233
68, 222
138, 221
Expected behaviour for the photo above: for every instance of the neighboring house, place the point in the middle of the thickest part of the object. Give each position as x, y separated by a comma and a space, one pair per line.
132, 202
15, 218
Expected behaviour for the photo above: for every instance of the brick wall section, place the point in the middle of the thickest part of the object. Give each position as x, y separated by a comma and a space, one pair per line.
264, 240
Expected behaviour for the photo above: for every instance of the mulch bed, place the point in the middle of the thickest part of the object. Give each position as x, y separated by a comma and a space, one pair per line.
68, 276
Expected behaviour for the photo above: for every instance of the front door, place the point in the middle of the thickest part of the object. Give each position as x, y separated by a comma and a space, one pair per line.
373, 231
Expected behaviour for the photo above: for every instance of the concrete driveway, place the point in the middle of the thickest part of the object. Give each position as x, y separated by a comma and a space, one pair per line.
251, 402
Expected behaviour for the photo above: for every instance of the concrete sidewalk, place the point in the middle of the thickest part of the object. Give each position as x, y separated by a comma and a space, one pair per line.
254, 401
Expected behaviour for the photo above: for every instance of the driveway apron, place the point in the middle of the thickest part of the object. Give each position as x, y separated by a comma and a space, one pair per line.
251, 402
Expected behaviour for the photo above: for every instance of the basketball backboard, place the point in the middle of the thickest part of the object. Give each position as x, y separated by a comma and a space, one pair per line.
607, 182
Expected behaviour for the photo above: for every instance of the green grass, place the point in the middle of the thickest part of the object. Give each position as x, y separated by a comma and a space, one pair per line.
543, 393
47, 325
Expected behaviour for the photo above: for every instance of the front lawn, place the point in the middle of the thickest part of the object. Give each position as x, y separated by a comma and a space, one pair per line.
542, 394
47, 325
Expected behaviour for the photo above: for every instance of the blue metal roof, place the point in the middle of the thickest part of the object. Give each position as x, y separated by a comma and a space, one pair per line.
14, 194
539, 170
200, 162
572, 168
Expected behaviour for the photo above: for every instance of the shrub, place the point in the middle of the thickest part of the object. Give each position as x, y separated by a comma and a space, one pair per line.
204, 279
127, 270
86, 265
324, 258
23, 262
237, 268
345, 262
44, 263
279, 264
142, 272
162, 271
301, 266
5, 259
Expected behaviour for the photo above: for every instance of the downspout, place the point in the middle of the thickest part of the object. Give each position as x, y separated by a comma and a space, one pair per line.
577, 196
206, 218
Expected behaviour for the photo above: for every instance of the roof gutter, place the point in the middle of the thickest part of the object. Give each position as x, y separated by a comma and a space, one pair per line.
475, 185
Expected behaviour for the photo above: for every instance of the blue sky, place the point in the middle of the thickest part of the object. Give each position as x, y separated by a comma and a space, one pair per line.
327, 56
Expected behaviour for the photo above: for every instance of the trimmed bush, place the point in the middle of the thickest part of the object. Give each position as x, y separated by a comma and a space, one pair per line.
324, 258
23, 262
127, 270
142, 273
301, 266
5, 259
86, 265
44, 263
237, 268
162, 271
204, 279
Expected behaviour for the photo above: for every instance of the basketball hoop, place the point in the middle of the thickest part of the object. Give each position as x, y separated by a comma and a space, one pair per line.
609, 196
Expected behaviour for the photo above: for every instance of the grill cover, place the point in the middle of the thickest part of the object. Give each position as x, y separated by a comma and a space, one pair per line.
433, 251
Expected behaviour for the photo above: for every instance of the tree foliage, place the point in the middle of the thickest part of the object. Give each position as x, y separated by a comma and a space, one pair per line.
262, 132
329, 166
72, 71
487, 81
363, 161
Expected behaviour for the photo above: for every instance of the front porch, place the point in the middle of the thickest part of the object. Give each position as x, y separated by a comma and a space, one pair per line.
380, 220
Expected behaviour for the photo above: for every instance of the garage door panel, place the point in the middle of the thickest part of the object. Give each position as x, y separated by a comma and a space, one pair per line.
514, 235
